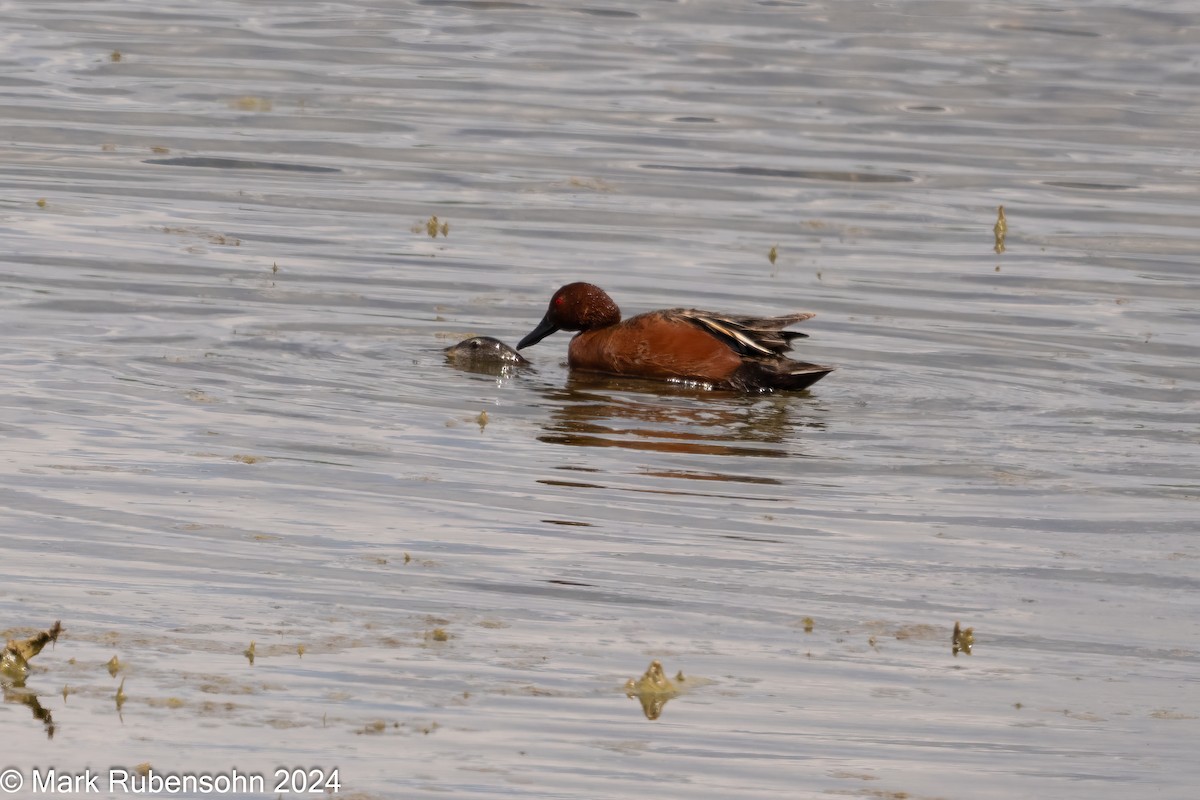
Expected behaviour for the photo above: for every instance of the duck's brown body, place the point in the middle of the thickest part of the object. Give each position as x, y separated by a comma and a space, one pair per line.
687, 345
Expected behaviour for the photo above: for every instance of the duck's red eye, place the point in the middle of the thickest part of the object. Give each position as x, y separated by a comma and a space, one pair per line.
558, 301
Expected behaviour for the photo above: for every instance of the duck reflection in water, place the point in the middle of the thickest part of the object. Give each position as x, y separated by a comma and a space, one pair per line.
607, 411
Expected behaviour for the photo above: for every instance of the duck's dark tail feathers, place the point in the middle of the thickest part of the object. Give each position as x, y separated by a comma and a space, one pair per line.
783, 374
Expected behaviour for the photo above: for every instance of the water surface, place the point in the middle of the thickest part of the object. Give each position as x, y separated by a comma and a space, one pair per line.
227, 419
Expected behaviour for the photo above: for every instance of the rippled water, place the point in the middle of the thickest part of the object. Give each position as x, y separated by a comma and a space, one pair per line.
226, 418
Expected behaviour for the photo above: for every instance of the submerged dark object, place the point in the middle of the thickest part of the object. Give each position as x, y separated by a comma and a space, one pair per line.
485, 354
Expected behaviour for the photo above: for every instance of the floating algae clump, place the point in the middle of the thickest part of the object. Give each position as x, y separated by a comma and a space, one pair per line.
654, 689
962, 639
14, 663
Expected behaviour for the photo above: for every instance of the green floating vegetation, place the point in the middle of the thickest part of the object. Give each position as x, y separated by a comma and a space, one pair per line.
376, 727
1000, 229
654, 689
14, 663
962, 640
433, 226
251, 102
14, 669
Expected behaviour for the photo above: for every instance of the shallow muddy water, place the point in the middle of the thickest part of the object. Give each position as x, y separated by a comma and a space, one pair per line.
227, 419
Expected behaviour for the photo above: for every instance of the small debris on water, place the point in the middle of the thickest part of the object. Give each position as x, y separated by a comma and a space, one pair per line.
433, 226
14, 662
654, 689
962, 640
250, 103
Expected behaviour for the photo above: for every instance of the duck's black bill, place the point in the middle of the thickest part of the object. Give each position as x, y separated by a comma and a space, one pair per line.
544, 329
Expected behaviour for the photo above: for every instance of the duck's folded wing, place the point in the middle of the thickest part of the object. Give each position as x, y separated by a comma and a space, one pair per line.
752, 336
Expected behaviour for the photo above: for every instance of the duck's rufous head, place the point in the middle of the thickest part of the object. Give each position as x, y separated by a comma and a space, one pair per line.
575, 307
